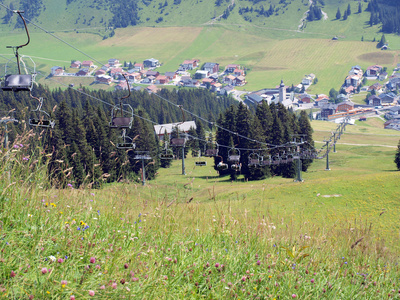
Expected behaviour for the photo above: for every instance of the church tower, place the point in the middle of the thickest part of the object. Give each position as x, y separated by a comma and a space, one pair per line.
282, 92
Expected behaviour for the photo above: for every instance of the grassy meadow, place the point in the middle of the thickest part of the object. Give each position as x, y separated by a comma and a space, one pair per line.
195, 236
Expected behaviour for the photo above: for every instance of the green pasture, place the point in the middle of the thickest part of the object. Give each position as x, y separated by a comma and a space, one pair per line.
267, 60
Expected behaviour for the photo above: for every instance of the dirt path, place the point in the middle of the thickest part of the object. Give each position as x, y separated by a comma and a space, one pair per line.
211, 22
303, 19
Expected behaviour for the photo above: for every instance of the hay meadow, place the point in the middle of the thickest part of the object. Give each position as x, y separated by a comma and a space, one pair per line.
200, 236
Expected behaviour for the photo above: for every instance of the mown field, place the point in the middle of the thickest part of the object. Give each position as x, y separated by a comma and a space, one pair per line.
194, 236
267, 60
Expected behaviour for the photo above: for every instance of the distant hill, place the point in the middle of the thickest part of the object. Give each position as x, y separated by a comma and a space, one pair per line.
103, 16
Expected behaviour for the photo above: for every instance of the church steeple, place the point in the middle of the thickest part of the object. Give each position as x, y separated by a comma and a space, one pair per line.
282, 92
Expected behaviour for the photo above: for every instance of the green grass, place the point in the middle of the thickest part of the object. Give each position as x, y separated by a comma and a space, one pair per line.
201, 236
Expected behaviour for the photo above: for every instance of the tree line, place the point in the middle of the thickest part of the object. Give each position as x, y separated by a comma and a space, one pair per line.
81, 150
272, 124
386, 12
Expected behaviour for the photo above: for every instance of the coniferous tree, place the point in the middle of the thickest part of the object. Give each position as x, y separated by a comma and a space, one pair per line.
348, 10
338, 14
345, 15
397, 157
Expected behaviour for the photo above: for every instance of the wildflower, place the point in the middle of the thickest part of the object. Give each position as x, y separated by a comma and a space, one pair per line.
294, 295
48, 292
12, 274
97, 267
92, 194
244, 278
72, 297
25, 158
114, 285
69, 185
60, 260
258, 262
126, 266
52, 204
44, 270
217, 265
312, 280
91, 293
102, 287
52, 258
134, 279
165, 277
64, 283
92, 260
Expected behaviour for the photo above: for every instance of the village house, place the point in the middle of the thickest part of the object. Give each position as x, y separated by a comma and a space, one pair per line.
393, 84
356, 70
216, 86
211, 67
105, 67
152, 89
170, 75
231, 67
148, 80
151, 63
207, 82
229, 79
374, 100
188, 82
57, 71
349, 89
87, 64
304, 98
134, 76
82, 72
344, 106
116, 72
238, 72
226, 90
393, 112
161, 79
138, 67
373, 71
122, 86
327, 110
377, 87
113, 62
104, 79
382, 76
321, 100
239, 81
76, 64
353, 80
190, 64
152, 73
254, 97
388, 98
200, 74
100, 72
392, 124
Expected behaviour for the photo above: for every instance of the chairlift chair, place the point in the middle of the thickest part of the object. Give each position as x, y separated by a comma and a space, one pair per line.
178, 142
284, 158
254, 160
211, 152
125, 118
267, 162
44, 118
145, 155
167, 153
234, 155
127, 142
222, 166
276, 160
236, 167
19, 82
200, 162
289, 157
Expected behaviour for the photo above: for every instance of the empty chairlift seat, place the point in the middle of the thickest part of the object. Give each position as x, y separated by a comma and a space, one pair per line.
17, 82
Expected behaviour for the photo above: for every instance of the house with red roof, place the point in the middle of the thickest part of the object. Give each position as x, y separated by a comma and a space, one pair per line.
87, 64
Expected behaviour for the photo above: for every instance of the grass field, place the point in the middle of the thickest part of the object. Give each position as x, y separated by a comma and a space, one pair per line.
194, 236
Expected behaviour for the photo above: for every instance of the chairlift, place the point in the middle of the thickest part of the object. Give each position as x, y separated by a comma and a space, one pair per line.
276, 160
289, 157
167, 153
122, 114
145, 155
127, 142
221, 166
210, 151
178, 142
254, 160
44, 118
236, 167
234, 155
284, 158
267, 162
19, 82
200, 162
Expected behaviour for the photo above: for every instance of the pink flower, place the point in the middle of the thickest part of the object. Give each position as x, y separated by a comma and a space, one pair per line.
165, 277
60, 260
91, 293
64, 282
44, 270
126, 266
97, 267
217, 265
114, 285
72, 297
244, 278
312, 280
134, 279
12, 274
102, 287
258, 262
92, 260
294, 295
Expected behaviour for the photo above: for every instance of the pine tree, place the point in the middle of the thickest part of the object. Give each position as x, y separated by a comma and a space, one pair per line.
397, 157
338, 14
348, 10
306, 129
359, 7
345, 15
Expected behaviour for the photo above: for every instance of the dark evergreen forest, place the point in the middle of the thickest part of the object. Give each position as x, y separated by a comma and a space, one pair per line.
386, 12
81, 148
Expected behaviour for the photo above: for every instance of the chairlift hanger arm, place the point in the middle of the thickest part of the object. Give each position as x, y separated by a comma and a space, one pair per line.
23, 45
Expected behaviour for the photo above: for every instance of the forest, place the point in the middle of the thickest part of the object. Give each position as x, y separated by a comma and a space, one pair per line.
386, 12
80, 150
82, 141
